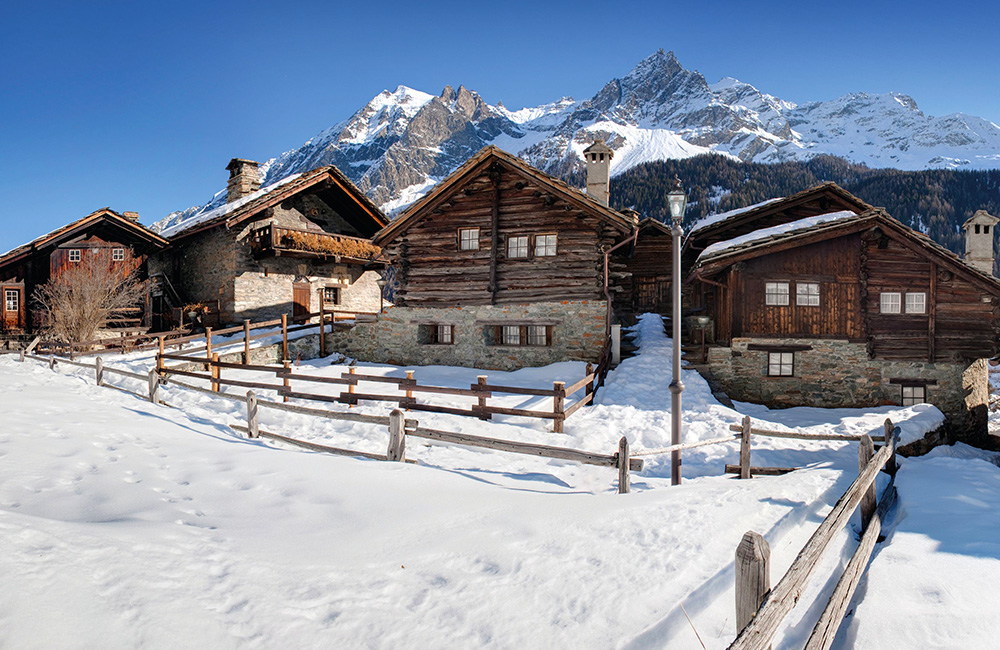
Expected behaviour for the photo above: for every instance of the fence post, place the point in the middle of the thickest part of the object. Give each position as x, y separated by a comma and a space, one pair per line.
159, 359
215, 372
208, 346
350, 388
616, 344
154, 386
99, 371
409, 393
284, 337
623, 462
865, 452
558, 405
20, 356
246, 342
52, 364
397, 437
753, 577
890, 439
745, 448
590, 384
322, 327
481, 383
253, 429
287, 382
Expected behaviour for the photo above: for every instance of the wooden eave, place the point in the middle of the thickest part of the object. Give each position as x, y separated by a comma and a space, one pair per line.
477, 165
74, 229
654, 224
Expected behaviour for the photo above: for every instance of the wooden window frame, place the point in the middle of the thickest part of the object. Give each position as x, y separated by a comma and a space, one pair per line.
918, 394
923, 302
117, 254
75, 255
524, 336
774, 295
781, 364
808, 296
555, 244
894, 309
462, 240
17, 300
437, 337
336, 291
527, 247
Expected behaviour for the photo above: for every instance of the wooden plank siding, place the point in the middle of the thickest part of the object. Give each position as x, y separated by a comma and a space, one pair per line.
650, 268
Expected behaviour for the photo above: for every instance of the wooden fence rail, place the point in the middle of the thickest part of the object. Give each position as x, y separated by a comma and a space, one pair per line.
768, 608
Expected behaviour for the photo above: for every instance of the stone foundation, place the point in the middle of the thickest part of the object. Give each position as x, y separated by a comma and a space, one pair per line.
837, 373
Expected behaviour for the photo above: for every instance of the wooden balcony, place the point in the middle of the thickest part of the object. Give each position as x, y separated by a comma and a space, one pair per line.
278, 241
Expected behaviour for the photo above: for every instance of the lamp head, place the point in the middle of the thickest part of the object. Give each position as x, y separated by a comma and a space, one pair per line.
677, 201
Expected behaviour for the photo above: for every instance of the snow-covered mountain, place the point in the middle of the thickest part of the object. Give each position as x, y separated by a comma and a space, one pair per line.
401, 143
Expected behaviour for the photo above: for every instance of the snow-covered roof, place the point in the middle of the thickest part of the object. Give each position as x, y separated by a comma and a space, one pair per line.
774, 231
715, 218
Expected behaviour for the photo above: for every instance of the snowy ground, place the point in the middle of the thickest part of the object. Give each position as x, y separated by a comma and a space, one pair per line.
130, 525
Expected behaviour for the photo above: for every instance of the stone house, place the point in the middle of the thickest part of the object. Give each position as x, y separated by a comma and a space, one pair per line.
850, 309
117, 239
290, 247
502, 266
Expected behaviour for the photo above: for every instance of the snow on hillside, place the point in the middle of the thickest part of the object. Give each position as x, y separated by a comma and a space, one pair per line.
132, 525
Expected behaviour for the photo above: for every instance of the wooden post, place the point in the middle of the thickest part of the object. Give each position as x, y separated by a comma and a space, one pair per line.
208, 346
253, 429
558, 405
99, 371
154, 386
397, 437
616, 344
284, 337
52, 364
20, 356
753, 577
159, 359
865, 452
215, 372
322, 327
481, 383
623, 462
590, 384
409, 393
890, 439
745, 448
246, 342
350, 387
287, 382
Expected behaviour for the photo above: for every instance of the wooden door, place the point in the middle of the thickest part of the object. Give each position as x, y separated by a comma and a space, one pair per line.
300, 301
12, 306
652, 294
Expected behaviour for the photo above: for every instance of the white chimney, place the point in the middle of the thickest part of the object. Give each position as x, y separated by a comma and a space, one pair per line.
243, 178
598, 157
979, 240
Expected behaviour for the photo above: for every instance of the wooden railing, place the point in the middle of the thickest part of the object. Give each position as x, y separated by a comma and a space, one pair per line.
760, 610
274, 239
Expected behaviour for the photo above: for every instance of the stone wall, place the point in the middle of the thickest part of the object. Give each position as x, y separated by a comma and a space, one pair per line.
578, 334
838, 373
201, 268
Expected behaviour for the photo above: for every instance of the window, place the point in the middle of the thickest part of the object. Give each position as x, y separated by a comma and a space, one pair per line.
435, 334
890, 303
74, 255
11, 299
331, 295
517, 246
986, 230
776, 293
977, 228
522, 335
914, 395
545, 245
807, 293
468, 239
444, 334
538, 335
511, 335
780, 364
117, 254
916, 303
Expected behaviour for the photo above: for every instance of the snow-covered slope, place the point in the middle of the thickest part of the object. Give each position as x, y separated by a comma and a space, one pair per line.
402, 142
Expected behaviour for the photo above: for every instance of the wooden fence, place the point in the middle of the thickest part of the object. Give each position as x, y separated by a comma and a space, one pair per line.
760, 609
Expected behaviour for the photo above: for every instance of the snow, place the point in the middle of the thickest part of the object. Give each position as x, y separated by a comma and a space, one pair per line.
721, 216
127, 524
764, 233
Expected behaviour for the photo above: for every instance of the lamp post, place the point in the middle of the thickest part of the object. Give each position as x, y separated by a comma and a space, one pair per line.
677, 201
381, 294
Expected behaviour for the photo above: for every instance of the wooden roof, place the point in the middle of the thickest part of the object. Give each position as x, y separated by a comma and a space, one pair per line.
279, 192
73, 229
714, 262
478, 164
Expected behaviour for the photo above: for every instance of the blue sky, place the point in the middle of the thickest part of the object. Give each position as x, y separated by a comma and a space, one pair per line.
139, 106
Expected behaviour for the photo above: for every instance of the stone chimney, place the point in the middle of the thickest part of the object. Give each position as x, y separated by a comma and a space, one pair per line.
131, 216
979, 240
243, 178
598, 157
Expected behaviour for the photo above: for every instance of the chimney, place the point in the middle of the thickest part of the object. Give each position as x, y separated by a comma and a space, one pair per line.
131, 216
598, 157
243, 178
979, 240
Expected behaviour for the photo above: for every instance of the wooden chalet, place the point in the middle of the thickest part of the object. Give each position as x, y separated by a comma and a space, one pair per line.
118, 237
503, 266
849, 309
293, 246
650, 267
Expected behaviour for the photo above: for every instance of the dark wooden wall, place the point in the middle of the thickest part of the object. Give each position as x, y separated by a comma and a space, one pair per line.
432, 271
650, 268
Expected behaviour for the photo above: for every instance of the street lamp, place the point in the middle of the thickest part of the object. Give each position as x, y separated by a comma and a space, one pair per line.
381, 294
677, 201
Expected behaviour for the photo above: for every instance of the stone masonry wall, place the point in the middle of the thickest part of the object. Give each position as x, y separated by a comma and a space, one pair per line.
205, 266
837, 373
577, 335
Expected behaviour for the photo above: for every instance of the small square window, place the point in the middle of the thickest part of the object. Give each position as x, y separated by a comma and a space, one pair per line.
914, 395
75, 255
916, 303
511, 335
780, 364
545, 245
538, 335
776, 293
890, 302
331, 295
468, 239
117, 254
517, 247
807, 294
444, 334
11, 299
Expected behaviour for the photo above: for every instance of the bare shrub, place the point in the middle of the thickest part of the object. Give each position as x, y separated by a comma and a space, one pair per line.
84, 296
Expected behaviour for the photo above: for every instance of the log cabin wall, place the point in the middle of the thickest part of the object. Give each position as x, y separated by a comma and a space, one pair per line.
650, 266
